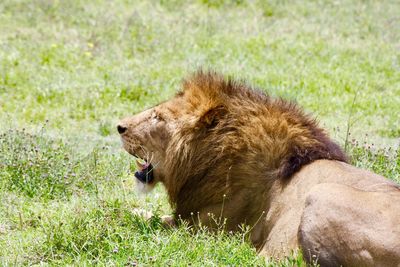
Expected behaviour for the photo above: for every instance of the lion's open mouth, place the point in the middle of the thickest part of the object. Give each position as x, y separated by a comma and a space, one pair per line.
145, 172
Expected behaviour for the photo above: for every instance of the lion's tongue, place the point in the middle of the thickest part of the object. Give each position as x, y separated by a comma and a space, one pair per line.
145, 172
141, 166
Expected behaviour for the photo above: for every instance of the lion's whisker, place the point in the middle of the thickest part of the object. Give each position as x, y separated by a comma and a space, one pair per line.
143, 149
152, 157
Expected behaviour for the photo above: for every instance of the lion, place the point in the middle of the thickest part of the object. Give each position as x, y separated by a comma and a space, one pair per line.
222, 148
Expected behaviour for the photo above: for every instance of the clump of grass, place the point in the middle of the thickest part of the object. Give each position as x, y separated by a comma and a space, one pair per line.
36, 166
384, 161
111, 233
105, 129
39, 166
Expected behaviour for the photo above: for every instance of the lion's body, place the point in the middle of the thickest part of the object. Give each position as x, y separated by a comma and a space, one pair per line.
340, 214
222, 149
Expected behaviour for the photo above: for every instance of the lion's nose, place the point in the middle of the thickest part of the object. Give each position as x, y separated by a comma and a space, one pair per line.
121, 129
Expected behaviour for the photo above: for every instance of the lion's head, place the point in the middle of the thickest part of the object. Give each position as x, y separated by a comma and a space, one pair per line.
218, 136
146, 136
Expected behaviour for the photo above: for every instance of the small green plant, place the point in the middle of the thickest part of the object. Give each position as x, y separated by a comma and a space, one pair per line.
104, 129
384, 161
36, 166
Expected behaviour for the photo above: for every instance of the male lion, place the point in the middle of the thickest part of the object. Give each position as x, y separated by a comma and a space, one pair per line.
222, 148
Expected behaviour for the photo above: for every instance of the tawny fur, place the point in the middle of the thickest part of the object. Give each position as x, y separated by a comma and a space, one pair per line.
223, 148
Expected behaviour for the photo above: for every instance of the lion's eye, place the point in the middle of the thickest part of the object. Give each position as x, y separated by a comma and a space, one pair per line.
155, 116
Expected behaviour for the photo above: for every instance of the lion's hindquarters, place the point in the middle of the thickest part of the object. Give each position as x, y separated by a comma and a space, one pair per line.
341, 225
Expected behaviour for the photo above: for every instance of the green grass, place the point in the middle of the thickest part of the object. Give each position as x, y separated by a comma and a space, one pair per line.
69, 70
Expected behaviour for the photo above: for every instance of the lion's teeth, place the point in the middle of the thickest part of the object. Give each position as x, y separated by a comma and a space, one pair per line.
140, 165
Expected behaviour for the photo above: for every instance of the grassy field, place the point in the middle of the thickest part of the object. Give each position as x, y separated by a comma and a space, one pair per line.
69, 70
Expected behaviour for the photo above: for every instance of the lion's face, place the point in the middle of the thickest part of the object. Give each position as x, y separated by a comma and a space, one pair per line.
146, 136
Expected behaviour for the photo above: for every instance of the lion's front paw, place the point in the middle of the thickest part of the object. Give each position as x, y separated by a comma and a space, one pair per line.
167, 220
143, 213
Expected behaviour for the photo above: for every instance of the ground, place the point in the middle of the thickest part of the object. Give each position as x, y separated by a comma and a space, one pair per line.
69, 70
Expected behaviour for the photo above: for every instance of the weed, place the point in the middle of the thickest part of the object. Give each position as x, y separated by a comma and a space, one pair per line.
38, 166
384, 161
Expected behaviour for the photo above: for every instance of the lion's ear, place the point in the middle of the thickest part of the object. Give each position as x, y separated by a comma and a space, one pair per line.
211, 117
